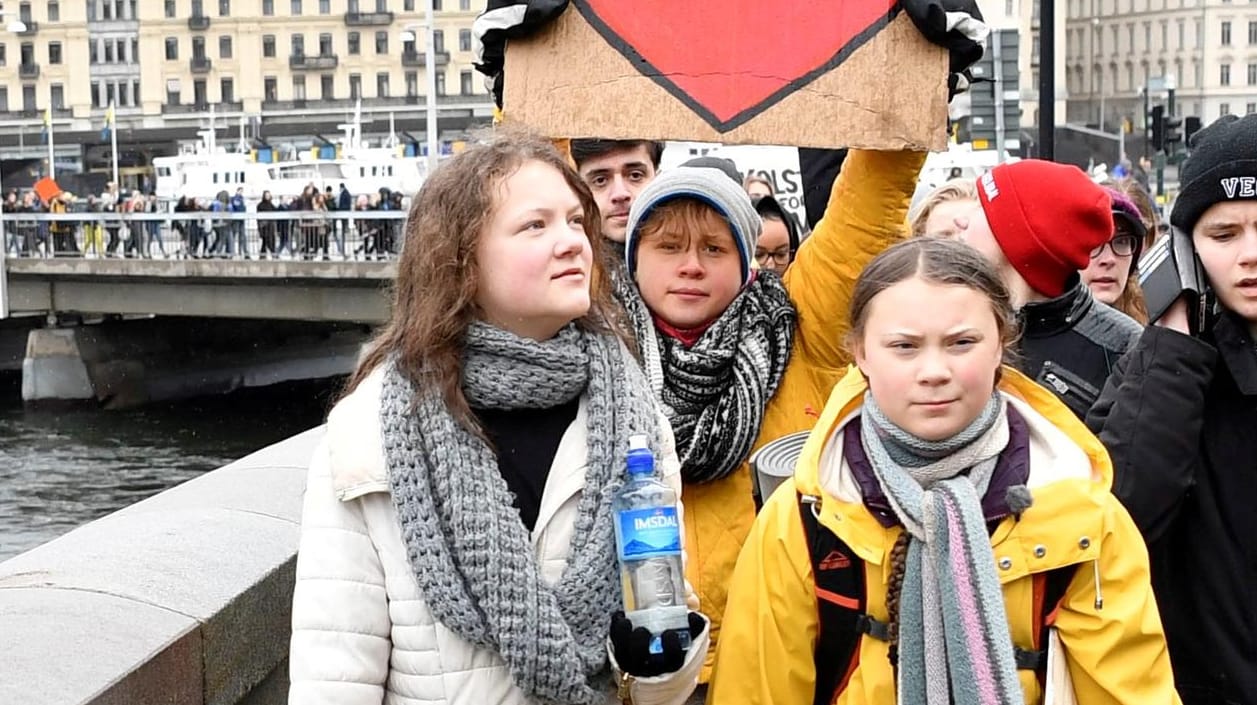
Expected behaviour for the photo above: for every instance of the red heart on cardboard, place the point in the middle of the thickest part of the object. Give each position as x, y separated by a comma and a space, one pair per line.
730, 60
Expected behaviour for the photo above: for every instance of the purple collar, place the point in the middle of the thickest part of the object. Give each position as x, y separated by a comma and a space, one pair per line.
1011, 469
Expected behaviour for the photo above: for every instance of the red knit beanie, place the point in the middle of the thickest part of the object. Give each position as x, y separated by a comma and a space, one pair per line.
1047, 218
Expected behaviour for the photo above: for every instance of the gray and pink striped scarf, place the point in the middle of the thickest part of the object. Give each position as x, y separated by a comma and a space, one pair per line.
954, 644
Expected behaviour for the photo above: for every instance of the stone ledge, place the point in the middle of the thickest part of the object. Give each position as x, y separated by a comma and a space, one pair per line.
182, 598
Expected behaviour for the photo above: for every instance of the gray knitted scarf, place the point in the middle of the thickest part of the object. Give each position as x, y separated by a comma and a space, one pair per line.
715, 392
470, 553
954, 646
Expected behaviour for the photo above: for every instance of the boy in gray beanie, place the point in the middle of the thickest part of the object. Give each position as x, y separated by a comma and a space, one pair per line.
707, 185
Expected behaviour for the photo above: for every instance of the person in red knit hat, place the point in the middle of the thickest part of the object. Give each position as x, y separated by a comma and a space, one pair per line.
1040, 223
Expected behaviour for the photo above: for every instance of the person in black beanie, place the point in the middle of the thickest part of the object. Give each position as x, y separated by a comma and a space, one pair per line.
1177, 417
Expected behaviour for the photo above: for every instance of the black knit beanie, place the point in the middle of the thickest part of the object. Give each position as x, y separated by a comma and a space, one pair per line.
1222, 167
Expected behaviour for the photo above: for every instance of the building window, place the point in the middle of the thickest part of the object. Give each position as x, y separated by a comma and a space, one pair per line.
325, 7
109, 55
172, 93
464, 5
412, 84
135, 9
1224, 74
381, 42
1224, 109
54, 53
1252, 33
268, 46
464, 83
381, 5
440, 84
4, 56
296, 8
224, 10
4, 99
93, 55
200, 96
464, 40
172, 49
355, 44
224, 47
270, 89
268, 8
135, 50
106, 10
298, 45
381, 85
436, 5
124, 95
198, 47
198, 8
1250, 108
408, 6
95, 94
111, 94
227, 90
1252, 74
353, 6
355, 86
135, 92
328, 86
438, 40
57, 96
122, 51
298, 87
325, 45
1226, 34
170, 8
54, 11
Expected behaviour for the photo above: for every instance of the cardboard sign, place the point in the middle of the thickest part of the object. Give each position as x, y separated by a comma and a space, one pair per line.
816, 73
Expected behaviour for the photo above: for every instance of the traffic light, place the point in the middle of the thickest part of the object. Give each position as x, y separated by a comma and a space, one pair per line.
1172, 134
1191, 125
1156, 127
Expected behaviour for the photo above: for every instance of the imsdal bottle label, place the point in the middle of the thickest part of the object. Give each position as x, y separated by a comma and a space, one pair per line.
649, 533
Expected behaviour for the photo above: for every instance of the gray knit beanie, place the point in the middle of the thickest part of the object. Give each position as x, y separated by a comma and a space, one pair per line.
707, 185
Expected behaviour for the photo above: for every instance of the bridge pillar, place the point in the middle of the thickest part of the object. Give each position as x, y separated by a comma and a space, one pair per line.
54, 368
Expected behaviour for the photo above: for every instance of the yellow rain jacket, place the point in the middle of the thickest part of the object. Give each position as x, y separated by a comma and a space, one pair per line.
865, 215
1115, 654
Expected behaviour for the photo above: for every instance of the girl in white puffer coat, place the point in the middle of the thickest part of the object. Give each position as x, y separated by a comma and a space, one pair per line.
457, 542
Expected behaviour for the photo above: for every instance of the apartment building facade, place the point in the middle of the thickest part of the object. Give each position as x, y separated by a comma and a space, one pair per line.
280, 67
1208, 48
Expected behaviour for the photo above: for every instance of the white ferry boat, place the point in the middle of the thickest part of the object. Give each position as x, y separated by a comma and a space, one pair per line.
206, 169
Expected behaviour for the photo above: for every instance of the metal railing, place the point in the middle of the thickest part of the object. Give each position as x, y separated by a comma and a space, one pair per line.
286, 235
198, 22
312, 62
368, 19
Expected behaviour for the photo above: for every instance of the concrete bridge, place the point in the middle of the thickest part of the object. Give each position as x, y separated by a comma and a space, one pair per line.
189, 304
181, 599
309, 266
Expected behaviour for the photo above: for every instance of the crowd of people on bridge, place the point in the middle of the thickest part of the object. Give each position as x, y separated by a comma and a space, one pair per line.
192, 228
1019, 483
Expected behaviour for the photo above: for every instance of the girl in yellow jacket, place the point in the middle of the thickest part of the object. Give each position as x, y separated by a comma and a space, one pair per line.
954, 482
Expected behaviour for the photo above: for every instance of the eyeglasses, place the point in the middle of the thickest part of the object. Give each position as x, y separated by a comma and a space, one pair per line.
781, 257
1123, 245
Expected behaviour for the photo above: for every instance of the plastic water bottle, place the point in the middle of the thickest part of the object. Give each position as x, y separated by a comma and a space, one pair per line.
648, 539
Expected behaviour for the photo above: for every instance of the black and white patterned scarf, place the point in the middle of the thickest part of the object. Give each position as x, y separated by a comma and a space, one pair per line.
715, 391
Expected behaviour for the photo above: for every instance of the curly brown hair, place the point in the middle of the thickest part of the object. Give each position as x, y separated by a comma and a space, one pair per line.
434, 296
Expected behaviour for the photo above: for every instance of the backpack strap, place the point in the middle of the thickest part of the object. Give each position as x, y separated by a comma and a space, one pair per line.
1049, 593
840, 602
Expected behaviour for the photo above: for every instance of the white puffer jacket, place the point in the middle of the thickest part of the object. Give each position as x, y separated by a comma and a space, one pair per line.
361, 631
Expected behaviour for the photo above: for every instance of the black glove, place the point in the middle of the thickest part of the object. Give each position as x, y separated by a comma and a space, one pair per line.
957, 26
502, 20
632, 646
